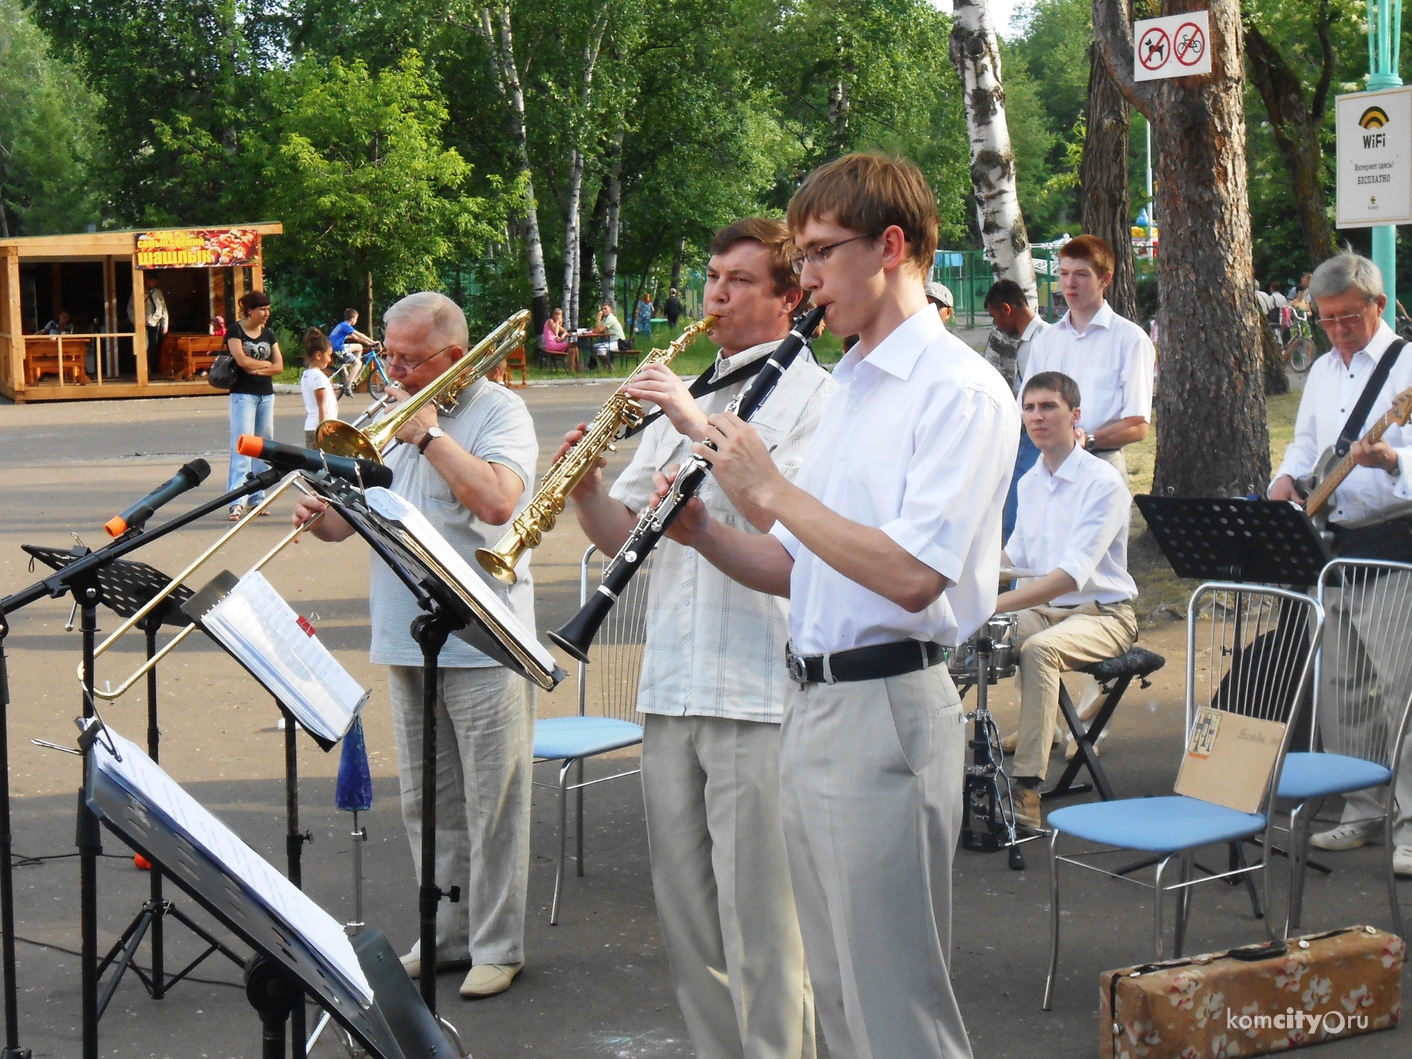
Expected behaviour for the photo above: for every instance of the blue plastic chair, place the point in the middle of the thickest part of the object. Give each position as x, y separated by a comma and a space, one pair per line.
1361, 707
1256, 658
617, 657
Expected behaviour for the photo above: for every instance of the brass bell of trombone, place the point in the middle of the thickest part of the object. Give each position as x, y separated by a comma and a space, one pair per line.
343, 439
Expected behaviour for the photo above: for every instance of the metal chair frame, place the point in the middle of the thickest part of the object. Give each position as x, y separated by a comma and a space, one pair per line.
1390, 586
618, 672
1269, 684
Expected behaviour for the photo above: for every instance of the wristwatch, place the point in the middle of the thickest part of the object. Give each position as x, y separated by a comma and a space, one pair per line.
431, 435
1090, 444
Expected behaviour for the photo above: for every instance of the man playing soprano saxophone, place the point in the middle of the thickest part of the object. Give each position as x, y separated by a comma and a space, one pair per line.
713, 681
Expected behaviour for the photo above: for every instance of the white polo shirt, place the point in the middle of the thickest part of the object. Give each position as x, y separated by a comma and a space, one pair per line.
919, 440
1075, 520
1112, 361
1035, 328
1330, 393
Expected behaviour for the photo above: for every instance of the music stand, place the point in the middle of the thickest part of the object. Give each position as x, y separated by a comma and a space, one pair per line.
447, 609
286, 966
127, 586
79, 578
1265, 541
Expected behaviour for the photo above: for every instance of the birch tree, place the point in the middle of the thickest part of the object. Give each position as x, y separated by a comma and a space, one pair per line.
499, 39
579, 132
1212, 438
1007, 245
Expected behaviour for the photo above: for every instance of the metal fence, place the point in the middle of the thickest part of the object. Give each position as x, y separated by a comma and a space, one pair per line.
968, 275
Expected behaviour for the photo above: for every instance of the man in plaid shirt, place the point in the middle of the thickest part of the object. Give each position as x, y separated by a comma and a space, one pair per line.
713, 679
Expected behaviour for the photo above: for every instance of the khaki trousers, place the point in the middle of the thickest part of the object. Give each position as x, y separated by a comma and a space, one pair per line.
1053, 640
1367, 666
484, 743
871, 778
721, 884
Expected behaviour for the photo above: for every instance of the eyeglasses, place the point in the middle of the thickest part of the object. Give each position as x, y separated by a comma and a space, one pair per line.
817, 255
394, 357
1331, 323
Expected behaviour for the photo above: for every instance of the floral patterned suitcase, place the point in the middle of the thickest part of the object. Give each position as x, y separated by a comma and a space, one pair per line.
1251, 1001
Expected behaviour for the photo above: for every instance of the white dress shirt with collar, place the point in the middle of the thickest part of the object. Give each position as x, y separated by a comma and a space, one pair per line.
1330, 392
1075, 520
1112, 361
712, 647
1036, 327
919, 440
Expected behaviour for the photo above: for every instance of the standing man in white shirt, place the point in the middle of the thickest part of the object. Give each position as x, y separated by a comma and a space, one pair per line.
1011, 314
1110, 358
154, 317
888, 546
713, 679
1348, 290
1072, 526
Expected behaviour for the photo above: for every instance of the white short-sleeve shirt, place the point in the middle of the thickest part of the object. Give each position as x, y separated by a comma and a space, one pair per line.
1112, 361
919, 440
1075, 520
310, 383
1330, 393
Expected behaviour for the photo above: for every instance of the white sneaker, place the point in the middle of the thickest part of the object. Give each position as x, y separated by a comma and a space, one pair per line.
1348, 836
1402, 860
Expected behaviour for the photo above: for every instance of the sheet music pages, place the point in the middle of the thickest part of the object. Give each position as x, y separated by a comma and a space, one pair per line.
142, 777
256, 625
391, 506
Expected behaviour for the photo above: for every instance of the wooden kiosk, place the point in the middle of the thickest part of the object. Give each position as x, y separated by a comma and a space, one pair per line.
101, 352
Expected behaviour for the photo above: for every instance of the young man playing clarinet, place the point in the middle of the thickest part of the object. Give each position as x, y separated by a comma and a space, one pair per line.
888, 546
713, 679
1073, 526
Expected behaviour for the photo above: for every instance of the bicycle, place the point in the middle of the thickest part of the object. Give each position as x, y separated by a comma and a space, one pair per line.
371, 371
1300, 350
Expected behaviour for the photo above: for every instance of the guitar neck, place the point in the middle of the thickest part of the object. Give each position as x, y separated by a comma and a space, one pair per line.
1320, 496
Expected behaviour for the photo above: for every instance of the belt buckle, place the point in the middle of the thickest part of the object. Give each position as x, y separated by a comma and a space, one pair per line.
794, 665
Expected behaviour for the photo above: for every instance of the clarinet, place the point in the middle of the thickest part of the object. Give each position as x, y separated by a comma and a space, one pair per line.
577, 635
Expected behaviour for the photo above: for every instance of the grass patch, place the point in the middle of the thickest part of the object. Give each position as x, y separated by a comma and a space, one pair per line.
1162, 595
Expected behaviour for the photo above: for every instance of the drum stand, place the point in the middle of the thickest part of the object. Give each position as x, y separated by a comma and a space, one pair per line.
987, 813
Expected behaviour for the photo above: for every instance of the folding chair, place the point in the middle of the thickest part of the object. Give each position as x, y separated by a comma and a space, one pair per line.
617, 662
1362, 697
1268, 683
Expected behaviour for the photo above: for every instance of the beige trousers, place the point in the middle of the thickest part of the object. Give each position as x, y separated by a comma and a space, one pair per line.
870, 793
1053, 640
721, 884
484, 747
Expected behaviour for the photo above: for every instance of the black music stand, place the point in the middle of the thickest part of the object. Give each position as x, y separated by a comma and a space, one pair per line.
285, 967
79, 578
444, 613
127, 587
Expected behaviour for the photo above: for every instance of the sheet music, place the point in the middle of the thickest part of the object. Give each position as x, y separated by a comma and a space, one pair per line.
257, 626
391, 506
141, 776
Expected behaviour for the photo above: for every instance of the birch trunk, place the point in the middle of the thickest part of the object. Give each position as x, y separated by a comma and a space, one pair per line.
1002, 228
1212, 438
507, 79
610, 234
573, 224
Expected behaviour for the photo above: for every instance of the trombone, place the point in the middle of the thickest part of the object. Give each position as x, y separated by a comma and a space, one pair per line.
343, 439
110, 694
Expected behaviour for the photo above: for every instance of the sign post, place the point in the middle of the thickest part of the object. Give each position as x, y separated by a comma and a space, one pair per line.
1384, 53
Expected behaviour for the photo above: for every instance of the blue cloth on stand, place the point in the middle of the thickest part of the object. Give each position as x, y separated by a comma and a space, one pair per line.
354, 792
1024, 460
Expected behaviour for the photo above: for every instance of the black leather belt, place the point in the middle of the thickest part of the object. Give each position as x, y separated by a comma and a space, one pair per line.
863, 663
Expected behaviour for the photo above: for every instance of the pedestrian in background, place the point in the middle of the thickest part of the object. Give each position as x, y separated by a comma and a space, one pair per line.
320, 400
252, 396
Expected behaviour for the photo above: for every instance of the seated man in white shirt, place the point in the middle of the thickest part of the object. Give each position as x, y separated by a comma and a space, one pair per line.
1072, 526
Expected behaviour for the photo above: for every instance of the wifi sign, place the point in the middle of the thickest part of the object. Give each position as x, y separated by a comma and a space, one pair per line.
1374, 158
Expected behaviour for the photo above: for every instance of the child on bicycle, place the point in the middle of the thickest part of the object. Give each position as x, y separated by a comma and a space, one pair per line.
320, 401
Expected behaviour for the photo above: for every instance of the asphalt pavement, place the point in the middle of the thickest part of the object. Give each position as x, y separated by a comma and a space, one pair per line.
598, 984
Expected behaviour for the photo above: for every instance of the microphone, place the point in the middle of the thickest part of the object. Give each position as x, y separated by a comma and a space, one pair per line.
293, 458
189, 477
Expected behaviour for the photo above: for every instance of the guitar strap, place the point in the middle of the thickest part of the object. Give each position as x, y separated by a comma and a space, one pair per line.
702, 386
1354, 427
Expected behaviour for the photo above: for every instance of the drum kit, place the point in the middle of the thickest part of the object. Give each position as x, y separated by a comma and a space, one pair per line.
988, 819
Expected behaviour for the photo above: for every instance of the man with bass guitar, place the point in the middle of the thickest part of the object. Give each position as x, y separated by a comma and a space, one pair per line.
1370, 514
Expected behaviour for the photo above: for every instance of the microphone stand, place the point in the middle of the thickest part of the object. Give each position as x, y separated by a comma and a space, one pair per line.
79, 578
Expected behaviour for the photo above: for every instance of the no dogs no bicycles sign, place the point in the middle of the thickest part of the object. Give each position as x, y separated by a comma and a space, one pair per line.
1175, 46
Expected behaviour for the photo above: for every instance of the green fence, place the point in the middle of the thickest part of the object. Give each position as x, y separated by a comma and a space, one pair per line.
968, 275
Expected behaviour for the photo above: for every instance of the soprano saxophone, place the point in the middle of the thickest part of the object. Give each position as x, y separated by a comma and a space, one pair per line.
539, 516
